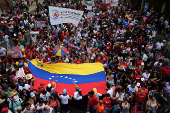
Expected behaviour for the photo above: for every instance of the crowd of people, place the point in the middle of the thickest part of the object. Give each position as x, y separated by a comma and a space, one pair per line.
136, 69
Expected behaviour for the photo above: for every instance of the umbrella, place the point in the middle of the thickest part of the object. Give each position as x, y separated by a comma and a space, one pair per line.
60, 51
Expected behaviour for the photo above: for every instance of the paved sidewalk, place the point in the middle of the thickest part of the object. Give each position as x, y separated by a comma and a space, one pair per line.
33, 7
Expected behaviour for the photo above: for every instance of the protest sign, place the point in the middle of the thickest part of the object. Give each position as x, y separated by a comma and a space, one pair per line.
34, 32
88, 3
64, 15
40, 23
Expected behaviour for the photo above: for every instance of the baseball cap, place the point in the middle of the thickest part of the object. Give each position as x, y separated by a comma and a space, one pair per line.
91, 93
64, 91
32, 94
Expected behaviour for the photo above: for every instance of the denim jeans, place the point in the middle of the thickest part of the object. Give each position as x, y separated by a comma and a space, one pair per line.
91, 109
125, 111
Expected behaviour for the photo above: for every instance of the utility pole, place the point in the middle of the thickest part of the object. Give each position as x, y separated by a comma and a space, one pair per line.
142, 5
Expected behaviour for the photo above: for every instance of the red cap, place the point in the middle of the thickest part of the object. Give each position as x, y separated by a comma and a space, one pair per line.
98, 49
92, 50
43, 50
140, 38
90, 53
3, 33
34, 48
4, 110
61, 42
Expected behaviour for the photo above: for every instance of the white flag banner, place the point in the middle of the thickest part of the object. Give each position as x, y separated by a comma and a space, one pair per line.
112, 2
64, 15
88, 3
90, 14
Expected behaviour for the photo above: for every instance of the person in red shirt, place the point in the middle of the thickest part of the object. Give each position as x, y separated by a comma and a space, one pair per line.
46, 60
105, 57
124, 64
78, 61
144, 89
92, 102
64, 35
138, 62
8, 59
107, 101
141, 97
137, 76
29, 54
108, 48
59, 61
136, 70
165, 71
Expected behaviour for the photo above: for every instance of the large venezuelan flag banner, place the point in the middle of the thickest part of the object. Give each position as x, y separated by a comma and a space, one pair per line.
87, 76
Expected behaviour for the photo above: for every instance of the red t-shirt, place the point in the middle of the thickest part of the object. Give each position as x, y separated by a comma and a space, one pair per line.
137, 77
92, 101
140, 97
165, 71
78, 61
138, 62
99, 59
53, 105
135, 70
107, 48
105, 58
124, 65
60, 62
44, 60
145, 90
107, 102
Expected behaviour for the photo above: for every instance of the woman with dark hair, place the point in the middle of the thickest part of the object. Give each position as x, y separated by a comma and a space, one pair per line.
78, 97
53, 102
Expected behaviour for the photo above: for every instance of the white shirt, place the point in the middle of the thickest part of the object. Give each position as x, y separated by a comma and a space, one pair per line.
159, 45
157, 63
64, 99
2, 51
135, 89
41, 107
27, 87
98, 95
6, 38
145, 57
10, 28
146, 76
45, 97
77, 96
110, 91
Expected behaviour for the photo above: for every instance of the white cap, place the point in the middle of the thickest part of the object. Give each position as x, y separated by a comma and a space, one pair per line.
142, 63
138, 84
142, 79
49, 85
